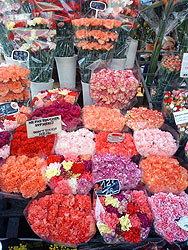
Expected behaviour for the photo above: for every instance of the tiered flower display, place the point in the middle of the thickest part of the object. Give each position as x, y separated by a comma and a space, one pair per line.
14, 84
116, 167
123, 217
167, 210
23, 175
112, 88
102, 119
163, 174
62, 219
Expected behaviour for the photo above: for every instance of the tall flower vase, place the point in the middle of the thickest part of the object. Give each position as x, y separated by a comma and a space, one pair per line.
66, 68
37, 87
118, 63
131, 53
87, 100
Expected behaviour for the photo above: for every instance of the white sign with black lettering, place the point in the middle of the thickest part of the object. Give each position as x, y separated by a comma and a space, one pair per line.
183, 223
44, 126
184, 66
181, 117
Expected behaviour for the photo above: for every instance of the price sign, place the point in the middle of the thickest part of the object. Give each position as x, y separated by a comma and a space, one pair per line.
181, 117
115, 137
184, 66
107, 187
20, 55
183, 223
98, 6
44, 126
9, 108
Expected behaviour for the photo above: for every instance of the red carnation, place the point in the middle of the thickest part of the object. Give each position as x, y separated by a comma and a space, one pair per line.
133, 235
53, 158
78, 168
11, 36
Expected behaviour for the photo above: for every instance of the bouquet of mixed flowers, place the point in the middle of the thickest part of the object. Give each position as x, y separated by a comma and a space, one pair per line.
35, 35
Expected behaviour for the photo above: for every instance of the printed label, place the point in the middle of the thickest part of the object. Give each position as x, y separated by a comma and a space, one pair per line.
44, 126
181, 117
183, 223
9, 108
115, 137
184, 66
107, 187
20, 55
97, 5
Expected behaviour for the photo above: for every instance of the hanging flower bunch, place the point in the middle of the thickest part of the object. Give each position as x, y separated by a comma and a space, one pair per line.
69, 176
126, 147
62, 219
46, 98
113, 88
12, 122
102, 119
96, 33
143, 118
167, 210
70, 114
37, 146
123, 217
155, 142
4, 145
163, 174
23, 175
13, 84
80, 142
116, 167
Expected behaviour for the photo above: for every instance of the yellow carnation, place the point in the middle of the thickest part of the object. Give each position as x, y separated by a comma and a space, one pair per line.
125, 223
67, 165
37, 20
112, 201
103, 229
51, 172
10, 25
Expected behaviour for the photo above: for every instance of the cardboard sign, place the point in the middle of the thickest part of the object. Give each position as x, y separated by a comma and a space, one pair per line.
184, 66
107, 187
181, 117
9, 108
20, 55
115, 137
183, 223
97, 5
44, 126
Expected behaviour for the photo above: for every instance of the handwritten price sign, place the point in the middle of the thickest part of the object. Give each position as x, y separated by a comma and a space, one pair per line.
107, 187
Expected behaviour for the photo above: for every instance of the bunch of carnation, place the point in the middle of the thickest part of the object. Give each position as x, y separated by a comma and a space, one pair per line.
4, 145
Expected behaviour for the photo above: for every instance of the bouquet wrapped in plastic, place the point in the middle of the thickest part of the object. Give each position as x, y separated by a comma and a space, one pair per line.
69, 175
123, 217
4, 145
36, 35
14, 84
112, 88
62, 219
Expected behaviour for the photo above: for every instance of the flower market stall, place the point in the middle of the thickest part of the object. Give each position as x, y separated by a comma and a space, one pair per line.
93, 126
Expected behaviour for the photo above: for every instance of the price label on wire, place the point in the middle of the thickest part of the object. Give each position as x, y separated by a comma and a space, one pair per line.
98, 6
20, 55
9, 108
107, 187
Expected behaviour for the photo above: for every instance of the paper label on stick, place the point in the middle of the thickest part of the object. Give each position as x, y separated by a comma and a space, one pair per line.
9, 108
184, 66
44, 126
107, 187
183, 223
115, 137
97, 5
181, 117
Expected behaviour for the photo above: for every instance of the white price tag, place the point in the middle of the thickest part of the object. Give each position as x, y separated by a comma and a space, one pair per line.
44, 126
181, 117
183, 223
184, 66
98, 6
20, 55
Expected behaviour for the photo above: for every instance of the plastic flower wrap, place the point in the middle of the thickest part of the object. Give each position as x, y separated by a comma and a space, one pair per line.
4, 145
143, 118
116, 167
69, 176
169, 72
102, 119
35, 35
14, 84
46, 98
123, 217
125, 148
23, 175
11, 122
113, 88
175, 101
168, 210
70, 114
37, 146
163, 174
62, 219
155, 142
80, 142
